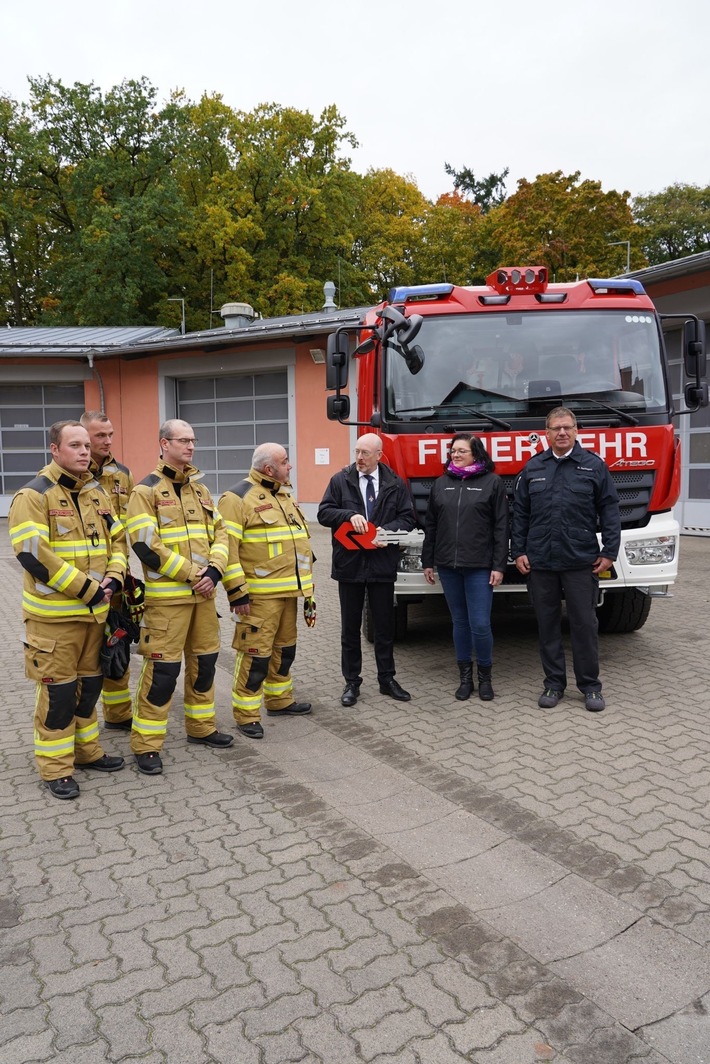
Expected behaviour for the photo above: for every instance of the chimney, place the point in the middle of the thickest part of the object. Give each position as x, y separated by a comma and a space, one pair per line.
237, 315
329, 290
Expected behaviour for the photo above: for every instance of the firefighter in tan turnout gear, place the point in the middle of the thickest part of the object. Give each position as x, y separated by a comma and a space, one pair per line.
270, 567
117, 482
73, 551
180, 539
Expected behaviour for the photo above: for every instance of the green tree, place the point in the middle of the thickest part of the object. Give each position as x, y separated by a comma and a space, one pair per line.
279, 208
673, 223
103, 167
565, 224
388, 248
487, 193
451, 233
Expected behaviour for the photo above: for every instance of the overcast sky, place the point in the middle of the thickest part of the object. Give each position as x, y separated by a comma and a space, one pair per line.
615, 90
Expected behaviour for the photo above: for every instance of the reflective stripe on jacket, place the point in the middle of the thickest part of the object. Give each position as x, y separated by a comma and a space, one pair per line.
67, 539
176, 531
269, 543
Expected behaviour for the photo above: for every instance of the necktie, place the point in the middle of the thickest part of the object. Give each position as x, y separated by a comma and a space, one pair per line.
369, 495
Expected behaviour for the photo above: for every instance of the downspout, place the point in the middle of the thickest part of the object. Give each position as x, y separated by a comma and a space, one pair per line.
99, 381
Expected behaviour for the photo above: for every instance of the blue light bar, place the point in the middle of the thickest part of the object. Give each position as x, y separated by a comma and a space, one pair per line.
628, 284
419, 291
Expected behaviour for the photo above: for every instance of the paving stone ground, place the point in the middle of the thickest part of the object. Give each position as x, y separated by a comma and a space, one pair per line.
419, 883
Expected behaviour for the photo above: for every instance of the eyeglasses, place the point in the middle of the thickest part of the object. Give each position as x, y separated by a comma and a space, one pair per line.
183, 440
562, 428
462, 450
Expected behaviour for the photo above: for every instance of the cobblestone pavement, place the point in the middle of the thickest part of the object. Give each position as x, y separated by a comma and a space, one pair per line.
417, 883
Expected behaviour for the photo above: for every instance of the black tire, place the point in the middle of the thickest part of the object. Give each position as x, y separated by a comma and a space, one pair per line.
400, 621
623, 611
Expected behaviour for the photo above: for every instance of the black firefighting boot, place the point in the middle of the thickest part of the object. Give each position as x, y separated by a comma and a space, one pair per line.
485, 687
465, 689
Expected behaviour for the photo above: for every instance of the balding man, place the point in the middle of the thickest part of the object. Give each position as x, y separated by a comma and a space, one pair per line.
367, 492
177, 533
270, 568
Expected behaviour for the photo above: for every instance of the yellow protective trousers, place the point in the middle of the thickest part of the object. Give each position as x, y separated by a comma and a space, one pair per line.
116, 694
167, 633
63, 660
265, 643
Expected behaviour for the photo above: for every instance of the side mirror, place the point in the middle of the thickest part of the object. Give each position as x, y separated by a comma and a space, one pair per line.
336, 362
338, 407
695, 361
694, 355
414, 357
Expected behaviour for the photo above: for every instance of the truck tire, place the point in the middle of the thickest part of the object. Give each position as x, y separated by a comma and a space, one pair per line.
623, 611
400, 622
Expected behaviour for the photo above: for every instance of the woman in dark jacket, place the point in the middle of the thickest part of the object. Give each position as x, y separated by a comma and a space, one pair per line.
466, 538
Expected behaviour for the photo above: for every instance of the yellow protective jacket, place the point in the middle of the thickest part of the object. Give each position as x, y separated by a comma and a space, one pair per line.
117, 482
176, 531
269, 544
67, 539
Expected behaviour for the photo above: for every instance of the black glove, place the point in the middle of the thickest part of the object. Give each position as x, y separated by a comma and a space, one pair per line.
116, 647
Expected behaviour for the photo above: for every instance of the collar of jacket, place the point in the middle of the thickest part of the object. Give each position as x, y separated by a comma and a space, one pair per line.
97, 469
385, 474
269, 483
190, 472
576, 454
68, 480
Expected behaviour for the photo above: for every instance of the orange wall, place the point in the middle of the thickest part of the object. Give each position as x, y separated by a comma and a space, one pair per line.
313, 430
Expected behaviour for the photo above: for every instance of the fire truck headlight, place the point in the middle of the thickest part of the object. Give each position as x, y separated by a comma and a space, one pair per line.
659, 551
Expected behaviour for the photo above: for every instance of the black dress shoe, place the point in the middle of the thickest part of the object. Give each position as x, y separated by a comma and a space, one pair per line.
294, 710
64, 788
392, 688
215, 738
105, 764
253, 730
149, 764
119, 725
350, 695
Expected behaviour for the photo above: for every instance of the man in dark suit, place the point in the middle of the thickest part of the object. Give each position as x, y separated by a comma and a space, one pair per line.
362, 493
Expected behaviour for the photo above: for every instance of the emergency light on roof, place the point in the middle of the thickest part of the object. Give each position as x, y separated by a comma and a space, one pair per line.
625, 287
518, 280
418, 292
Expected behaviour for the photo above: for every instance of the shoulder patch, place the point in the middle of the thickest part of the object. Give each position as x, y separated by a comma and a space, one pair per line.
242, 489
151, 480
40, 484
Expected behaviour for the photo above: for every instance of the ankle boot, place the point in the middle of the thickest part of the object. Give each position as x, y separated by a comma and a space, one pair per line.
465, 689
485, 687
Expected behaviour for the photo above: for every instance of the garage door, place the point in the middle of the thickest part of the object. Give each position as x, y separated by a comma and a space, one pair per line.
26, 412
230, 416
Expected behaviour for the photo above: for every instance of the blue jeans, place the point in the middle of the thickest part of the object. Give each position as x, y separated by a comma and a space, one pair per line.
469, 597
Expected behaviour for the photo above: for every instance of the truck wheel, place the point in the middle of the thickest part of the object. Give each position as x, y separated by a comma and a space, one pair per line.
400, 622
624, 611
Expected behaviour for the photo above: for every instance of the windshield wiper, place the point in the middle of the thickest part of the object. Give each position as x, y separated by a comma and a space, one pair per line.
572, 398
427, 411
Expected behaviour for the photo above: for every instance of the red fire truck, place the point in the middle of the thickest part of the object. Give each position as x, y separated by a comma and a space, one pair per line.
438, 359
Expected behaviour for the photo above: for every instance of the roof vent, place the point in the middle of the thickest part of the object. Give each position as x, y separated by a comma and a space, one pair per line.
329, 291
237, 315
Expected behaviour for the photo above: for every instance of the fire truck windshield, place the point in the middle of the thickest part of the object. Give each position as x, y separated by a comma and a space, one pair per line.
504, 365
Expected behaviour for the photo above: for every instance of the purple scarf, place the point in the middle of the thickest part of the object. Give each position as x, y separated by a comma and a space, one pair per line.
465, 471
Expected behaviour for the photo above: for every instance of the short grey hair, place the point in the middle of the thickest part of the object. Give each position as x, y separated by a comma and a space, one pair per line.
168, 427
265, 454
